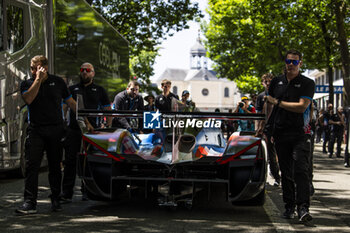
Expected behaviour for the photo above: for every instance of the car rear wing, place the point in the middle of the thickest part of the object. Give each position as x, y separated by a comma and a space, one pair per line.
198, 115
178, 112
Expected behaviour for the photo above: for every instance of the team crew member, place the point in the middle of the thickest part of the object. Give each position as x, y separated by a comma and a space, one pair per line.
264, 107
292, 94
43, 94
94, 97
163, 101
129, 100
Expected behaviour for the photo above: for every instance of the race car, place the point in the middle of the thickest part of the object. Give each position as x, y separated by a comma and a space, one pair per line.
186, 153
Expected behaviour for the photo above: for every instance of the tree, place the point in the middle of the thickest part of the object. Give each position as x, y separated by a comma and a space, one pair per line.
141, 68
145, 23
250, 37
249, 84
340, 9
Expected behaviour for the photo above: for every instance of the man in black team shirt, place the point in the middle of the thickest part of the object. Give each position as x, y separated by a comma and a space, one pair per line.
129, 100
43, 94
291, 94
94, 97
163, 101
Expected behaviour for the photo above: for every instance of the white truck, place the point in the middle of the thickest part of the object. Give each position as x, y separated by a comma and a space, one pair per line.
68, 32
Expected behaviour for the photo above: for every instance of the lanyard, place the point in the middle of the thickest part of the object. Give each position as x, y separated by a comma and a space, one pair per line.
131, 104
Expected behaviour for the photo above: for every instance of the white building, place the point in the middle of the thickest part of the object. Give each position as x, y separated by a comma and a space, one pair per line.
206, 90
321, 78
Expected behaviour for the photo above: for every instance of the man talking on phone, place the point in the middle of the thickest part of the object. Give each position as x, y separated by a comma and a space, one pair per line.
43, 94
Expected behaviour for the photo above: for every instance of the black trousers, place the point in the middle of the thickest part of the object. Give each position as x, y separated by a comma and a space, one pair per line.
336, 136
311, 163
272, 156
72, 148
326, 138
294, 158
40, 139
319, 131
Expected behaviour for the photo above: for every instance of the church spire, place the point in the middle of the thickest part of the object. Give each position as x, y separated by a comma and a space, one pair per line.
198, 57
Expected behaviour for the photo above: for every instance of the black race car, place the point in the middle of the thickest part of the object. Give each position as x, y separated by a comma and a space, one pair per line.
172, 161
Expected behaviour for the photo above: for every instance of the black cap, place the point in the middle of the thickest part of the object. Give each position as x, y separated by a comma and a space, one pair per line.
146, 97
185, 92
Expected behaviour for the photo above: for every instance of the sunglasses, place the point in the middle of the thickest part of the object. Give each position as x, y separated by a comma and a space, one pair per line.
295, 62
134, 89
86, 69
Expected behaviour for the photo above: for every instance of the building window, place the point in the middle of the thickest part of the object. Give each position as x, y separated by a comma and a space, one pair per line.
226, 92
337, 74
15, 28
323, 81
175, 90
205, 92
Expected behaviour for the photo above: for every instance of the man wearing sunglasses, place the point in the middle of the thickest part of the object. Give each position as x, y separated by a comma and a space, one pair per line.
94, 97
43, 93
291, 94
129, 100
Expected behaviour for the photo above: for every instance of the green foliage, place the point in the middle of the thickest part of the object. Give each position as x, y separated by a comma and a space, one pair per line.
251, 37
145, 23
249, 84
141, 67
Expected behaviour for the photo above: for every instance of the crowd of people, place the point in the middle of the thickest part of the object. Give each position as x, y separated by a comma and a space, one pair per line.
292, 123
48, 98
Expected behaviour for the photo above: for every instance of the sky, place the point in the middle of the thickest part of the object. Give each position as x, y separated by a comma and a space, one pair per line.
175, 50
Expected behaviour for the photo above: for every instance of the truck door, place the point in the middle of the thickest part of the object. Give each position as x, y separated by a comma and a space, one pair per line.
22, 36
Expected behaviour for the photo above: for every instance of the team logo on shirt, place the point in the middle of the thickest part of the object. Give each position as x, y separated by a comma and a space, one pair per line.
51, 84
297, 85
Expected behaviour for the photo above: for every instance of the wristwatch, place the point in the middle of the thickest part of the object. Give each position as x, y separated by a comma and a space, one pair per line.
278, 103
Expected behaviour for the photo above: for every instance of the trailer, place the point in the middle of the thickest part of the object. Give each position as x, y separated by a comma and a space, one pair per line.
68, 32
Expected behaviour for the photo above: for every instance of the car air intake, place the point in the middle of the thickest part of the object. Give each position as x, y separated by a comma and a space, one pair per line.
187, 143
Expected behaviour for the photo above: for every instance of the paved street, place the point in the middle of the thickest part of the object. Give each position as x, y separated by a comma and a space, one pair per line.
330, 209
330, 205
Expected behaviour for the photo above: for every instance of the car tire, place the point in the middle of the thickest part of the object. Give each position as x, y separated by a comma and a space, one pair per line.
258, 200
